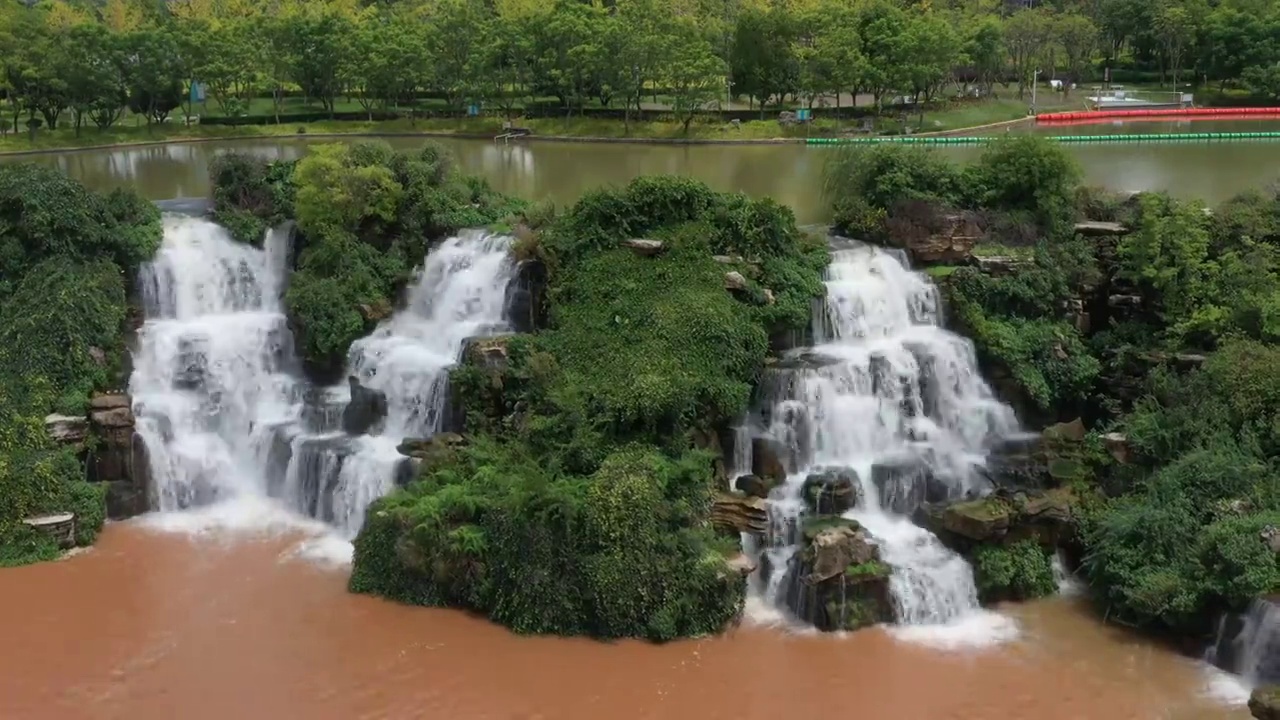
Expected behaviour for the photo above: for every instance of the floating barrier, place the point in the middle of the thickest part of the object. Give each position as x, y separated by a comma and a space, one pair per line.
1074, 139
1234, 117
1153, 112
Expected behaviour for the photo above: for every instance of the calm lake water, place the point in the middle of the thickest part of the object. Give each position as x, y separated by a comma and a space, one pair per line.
170, 618
789, 173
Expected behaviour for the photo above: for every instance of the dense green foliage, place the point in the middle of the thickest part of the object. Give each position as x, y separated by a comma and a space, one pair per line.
366, 216
614, 554
1019, 571
581, 504
46, 214
84, 62
62, 312
1187, 539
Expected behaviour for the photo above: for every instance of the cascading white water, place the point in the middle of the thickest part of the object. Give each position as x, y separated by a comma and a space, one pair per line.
212, 363
889, 394
220, 405
1248, 644
460, 293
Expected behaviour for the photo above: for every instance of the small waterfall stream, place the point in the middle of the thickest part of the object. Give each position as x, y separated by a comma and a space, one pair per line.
217, 392
1248, 644
889, 396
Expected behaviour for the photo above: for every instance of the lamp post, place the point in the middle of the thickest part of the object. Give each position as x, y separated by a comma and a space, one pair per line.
1035, 80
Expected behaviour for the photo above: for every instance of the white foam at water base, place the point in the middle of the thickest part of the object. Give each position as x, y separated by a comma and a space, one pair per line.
974, 629
252, 517
1224, 687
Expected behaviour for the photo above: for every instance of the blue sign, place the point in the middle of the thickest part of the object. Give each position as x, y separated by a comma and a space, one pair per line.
473, 110
804, 114
197, 92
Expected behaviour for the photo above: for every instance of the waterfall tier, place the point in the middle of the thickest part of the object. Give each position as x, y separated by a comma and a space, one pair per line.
893, 406
216, 389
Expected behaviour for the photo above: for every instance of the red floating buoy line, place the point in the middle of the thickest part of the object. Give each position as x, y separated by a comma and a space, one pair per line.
1237, 112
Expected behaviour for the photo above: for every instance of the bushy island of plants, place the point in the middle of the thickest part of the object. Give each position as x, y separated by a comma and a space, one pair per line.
1142, 330
580, 501
67, 259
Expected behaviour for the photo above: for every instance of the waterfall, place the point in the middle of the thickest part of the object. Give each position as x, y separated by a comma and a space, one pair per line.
212, 370
888, 396
1248, 644
222, 408
460, 293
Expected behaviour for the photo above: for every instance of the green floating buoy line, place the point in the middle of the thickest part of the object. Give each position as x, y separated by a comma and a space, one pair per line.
1150, 138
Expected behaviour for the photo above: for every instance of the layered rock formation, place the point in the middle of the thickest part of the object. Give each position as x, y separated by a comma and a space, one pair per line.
112, 452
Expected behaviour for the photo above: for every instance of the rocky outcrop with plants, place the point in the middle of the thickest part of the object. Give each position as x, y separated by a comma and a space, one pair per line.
1149, 323
580, 497
67, 260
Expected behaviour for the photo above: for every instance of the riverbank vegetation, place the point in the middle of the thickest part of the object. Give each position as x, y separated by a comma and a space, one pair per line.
1153, 325
579, 501
634, 68
66, 259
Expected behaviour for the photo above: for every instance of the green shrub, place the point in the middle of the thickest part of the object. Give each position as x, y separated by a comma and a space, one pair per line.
1020, 571
46, 214
61, 315
254, 185
1028, 173
887, 173
613, 555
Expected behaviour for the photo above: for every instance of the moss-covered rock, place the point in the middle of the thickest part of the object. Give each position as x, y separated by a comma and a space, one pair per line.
836, 581
1264, 703
1004, 516
831, 491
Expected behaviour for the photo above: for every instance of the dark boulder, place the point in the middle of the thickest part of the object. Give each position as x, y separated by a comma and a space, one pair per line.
754, 486
768, 459
832, 491
1264, 703
526, 298
119, 457
906, 483
366, 409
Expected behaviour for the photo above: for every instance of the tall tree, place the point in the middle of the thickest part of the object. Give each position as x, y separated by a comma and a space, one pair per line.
1026, 34
692, 73
1078, 37
153, 73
